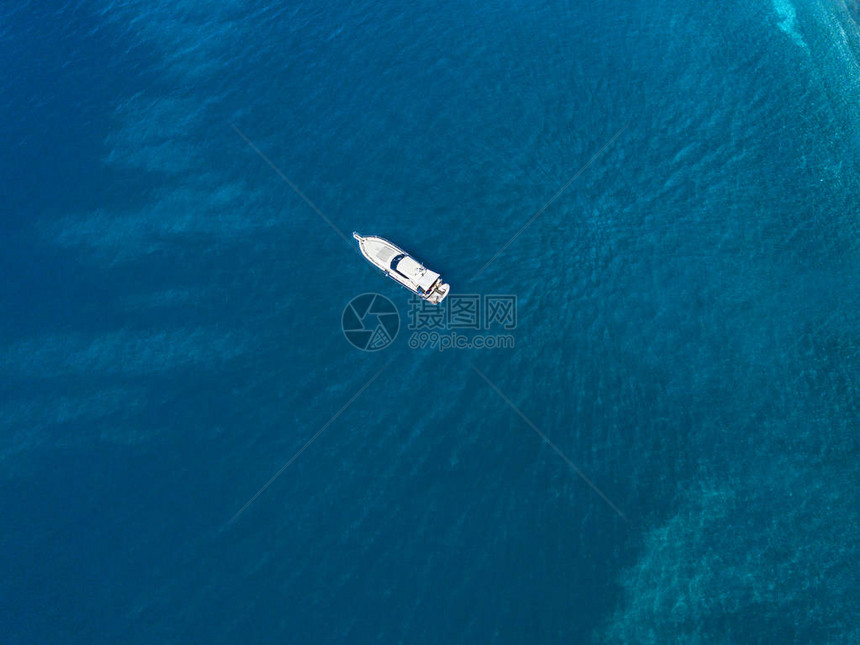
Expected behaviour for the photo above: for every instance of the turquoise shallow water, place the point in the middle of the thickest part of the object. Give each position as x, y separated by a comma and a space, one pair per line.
687, 323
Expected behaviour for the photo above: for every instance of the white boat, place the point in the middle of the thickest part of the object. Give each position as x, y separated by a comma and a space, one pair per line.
401, 267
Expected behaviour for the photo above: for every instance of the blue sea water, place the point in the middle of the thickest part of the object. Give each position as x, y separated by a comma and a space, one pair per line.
687, 332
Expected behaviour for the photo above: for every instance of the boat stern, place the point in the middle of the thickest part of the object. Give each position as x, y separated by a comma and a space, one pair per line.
438, 293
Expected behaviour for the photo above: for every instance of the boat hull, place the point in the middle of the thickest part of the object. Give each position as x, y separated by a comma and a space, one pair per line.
404, 269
